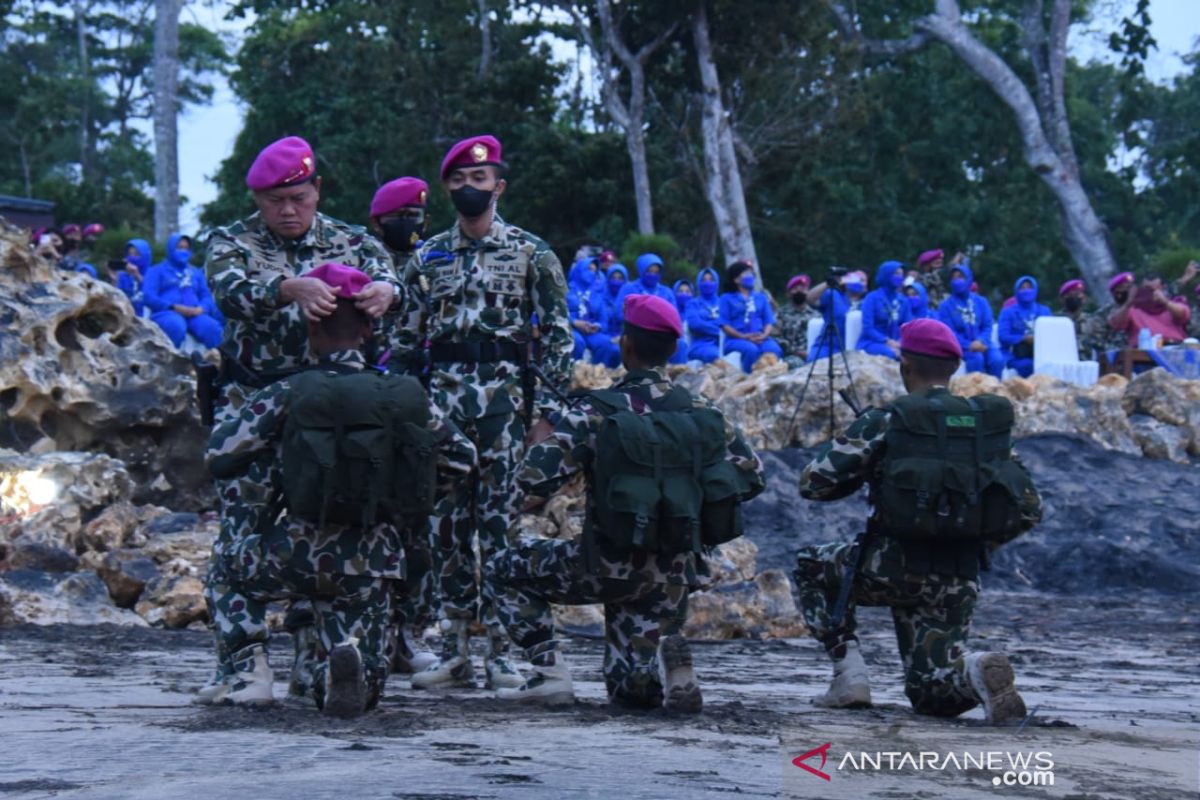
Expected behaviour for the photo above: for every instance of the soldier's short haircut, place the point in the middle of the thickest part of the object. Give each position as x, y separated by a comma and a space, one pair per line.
653, 348
346, 323
930, 368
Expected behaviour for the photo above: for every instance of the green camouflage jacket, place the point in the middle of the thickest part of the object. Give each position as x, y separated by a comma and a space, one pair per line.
463, 290
791, 328
246, 263
552, 463
853, 458
257, 432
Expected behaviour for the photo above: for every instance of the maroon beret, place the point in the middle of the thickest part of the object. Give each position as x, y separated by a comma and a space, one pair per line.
653, 314
929, 337
1069, 287
476, 151
283, 163
345, 281
397, 194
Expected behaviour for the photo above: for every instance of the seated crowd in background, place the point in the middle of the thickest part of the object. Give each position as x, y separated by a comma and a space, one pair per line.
744, 321
172, 293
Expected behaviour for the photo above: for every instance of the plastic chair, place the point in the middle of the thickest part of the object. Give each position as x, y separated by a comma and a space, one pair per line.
1056, 353
853, 329
734, 359
815, 326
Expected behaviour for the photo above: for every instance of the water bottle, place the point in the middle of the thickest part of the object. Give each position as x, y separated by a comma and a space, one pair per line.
1144, 340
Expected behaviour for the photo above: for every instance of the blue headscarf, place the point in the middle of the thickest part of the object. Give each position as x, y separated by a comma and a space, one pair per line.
883, 276
142, 260
1030, 307
581, 278
968, 275
179, 259
616, 268
920, 309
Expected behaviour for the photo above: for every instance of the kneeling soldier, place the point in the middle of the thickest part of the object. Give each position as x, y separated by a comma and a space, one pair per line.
945, 491
358, 455
665, 473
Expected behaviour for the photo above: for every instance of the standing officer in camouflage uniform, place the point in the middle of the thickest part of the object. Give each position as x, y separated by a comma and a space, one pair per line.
646, 662
398, 217
256, 266
793, 321
931, 586
475, 291
346, 572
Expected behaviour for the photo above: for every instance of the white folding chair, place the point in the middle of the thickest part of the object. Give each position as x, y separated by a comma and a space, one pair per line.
853, 329
734, 359
1056, 353
815, 326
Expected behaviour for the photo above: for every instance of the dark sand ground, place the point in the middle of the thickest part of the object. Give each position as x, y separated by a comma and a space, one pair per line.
103, 713
1098, 609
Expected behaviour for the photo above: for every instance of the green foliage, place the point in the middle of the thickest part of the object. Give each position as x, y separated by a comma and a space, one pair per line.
1171, 262
69, 123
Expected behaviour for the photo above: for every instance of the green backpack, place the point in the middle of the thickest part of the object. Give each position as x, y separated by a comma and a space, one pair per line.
356, 450
661, 481
948, 471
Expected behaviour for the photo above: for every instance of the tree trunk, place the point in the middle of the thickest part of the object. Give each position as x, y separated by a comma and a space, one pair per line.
723, 184
166, 110
635, 143
1084, 234
85, 121
25, 171
485, 33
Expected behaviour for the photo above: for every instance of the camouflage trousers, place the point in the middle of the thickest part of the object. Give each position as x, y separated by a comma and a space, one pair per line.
418, 598
483, 505
534, 573
932, 616
345, 608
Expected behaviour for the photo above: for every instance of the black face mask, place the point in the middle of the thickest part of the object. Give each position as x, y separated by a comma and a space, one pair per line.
1073, 303
799, 298
1121, 297
401, 234
471, 202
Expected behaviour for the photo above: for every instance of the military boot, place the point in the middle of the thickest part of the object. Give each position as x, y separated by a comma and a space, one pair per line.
454, 666
217, 685
549, 685
991, 676
410, 656
681, 689
344, 690
850, 687
250, 683
499, 668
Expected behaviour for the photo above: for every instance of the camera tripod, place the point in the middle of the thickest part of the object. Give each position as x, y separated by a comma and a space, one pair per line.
831, 335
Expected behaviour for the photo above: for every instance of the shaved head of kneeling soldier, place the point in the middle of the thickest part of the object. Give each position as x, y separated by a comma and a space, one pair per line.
639, 556
925, 541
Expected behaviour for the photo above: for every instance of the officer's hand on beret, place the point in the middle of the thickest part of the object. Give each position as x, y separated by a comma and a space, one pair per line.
315, 297
375, 298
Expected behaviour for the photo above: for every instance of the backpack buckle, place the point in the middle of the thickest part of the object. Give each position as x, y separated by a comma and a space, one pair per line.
640, 522
922, 499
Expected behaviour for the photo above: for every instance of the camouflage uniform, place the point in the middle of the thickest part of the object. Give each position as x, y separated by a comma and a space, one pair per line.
1097, 335
348, 574
932, 610
644, 596
246, 263
935, 286
463, 291
791, 331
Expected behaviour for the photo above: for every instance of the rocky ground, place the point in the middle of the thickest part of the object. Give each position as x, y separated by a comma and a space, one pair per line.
102, 712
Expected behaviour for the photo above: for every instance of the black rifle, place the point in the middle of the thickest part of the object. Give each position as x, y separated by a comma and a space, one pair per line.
861, 544
207, 375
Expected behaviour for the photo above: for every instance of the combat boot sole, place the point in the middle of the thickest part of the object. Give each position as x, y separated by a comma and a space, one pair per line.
346, 692
549, 686
991, 675
501, 675
681, 689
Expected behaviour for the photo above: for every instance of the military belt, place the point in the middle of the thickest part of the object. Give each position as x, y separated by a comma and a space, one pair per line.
476, 352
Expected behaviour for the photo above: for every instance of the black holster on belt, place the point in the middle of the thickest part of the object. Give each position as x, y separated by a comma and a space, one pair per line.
207, 387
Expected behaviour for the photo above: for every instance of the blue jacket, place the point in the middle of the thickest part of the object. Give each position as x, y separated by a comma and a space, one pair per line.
602, 305
968, 314
703, 315
175, 282
884, 309
746, 314
582, 284
1016, 321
